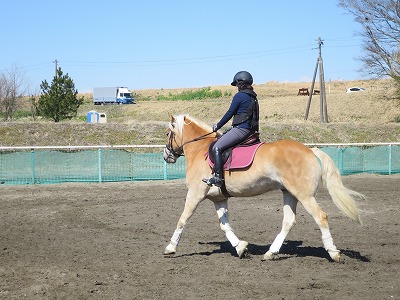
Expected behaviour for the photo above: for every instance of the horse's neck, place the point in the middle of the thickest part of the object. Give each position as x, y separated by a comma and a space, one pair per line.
191, 134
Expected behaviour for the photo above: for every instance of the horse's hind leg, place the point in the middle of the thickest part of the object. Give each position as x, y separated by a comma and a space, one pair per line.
223, 216
289, 219
321, 218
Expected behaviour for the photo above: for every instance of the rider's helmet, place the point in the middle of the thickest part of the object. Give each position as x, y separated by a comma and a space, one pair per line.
243, 76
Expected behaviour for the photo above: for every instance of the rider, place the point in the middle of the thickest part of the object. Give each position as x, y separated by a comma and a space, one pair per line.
245, 112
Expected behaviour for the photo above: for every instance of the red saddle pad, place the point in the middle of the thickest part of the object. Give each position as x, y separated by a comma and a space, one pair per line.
242, 157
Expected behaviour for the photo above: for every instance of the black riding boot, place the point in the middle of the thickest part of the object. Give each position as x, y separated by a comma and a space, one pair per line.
217, 179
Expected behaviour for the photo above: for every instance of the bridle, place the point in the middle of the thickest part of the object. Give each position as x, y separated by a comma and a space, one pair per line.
172, 138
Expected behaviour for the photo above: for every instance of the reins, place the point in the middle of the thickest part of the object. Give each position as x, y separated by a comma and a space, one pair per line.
197, 139
179, 152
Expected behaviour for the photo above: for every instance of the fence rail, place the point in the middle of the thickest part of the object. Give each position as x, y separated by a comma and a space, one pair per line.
55, 164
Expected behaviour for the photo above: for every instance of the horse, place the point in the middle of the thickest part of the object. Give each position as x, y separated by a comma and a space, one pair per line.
288, 165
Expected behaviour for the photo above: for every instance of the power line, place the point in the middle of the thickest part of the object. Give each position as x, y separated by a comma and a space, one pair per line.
200, 59
194, 60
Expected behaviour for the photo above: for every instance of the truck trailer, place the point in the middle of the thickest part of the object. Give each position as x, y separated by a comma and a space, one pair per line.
112, 95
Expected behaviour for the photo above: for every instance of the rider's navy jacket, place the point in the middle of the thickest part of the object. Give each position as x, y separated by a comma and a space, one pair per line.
240, 103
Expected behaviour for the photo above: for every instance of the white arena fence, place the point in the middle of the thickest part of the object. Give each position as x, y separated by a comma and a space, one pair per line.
56, 164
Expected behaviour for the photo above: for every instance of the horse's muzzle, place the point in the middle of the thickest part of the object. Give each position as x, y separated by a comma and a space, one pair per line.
169, 156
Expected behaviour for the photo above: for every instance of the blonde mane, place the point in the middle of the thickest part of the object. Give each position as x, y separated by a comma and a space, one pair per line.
185, 119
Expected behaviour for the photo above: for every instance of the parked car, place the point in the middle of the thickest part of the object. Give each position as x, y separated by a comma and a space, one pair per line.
355, 89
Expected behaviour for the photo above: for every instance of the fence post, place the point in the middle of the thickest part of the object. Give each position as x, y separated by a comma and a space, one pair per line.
390, 159
99, 164
165, 170
340, 159
33, 166
132, 159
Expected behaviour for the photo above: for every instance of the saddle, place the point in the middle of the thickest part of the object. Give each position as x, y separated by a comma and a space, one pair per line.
239, 156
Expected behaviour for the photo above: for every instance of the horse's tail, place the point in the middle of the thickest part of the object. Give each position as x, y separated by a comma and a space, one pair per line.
341, 196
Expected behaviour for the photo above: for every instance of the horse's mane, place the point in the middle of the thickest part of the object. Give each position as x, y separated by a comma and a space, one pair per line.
183, 119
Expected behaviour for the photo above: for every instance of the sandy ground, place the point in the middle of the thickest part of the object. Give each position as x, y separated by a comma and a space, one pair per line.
105, 241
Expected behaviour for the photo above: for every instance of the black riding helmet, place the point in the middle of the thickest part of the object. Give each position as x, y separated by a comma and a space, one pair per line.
243, 76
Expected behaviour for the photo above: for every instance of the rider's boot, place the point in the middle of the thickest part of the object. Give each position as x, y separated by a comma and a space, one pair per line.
217, 179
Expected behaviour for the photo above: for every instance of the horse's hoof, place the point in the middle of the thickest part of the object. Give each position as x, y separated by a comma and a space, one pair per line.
269, 256
241, 249
170, 249
335, 255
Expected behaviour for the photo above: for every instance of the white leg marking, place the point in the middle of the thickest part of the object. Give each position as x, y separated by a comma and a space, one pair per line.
277, 244
171, 248
329, 245
176, 236
232, 238
223, 216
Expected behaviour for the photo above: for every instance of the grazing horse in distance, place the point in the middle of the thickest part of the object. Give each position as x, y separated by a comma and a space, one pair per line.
287, 165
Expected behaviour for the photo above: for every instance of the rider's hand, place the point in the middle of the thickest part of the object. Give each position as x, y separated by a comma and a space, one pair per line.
215, 128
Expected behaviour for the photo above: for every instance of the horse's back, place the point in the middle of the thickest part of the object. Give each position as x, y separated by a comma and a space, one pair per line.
289, 161
286, 149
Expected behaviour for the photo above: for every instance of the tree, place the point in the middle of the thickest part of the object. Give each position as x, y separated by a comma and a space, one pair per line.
380, 20
12, 87
59, 100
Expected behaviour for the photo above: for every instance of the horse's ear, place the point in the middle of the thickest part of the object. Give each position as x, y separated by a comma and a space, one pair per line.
171, 117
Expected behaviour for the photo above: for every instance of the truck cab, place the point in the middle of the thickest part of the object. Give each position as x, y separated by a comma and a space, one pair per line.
124, 96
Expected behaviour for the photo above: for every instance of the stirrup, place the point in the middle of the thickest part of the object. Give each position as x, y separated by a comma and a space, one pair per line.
213, 181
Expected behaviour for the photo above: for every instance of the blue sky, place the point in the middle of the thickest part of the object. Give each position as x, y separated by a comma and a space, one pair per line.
172, 44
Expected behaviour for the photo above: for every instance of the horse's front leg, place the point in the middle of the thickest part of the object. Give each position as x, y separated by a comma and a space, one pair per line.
193, 199
222, 212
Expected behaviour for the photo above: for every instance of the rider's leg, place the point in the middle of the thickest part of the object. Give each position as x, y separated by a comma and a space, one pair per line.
227, 140
217, 179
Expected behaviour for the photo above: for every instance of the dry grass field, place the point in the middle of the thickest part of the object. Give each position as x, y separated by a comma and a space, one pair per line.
369, 116
278, 103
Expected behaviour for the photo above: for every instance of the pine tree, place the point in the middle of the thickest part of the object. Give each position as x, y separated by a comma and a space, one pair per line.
59, 100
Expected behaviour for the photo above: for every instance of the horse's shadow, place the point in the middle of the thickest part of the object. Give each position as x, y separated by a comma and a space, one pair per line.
288, 250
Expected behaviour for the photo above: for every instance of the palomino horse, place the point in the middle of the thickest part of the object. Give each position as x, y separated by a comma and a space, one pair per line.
286, 165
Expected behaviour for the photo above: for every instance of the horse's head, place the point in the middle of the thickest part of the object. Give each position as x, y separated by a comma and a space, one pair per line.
174, 148
183, 130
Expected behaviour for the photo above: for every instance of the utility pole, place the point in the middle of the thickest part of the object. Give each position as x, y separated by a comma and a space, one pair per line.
323, 104
56, 64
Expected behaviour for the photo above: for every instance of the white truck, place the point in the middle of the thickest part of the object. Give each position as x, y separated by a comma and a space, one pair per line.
112, 95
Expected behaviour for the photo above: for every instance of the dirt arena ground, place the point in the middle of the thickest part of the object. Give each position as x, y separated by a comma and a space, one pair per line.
105, 241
